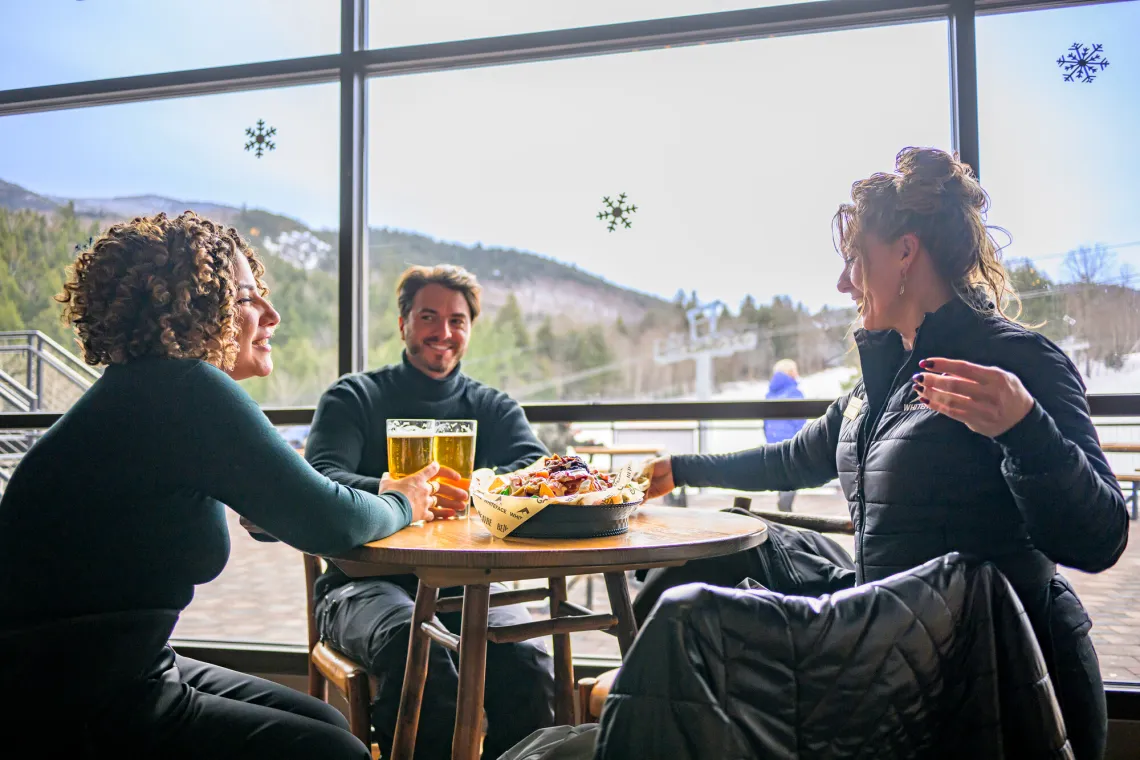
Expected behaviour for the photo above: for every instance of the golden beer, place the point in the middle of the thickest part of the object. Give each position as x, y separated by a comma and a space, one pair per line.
454, 447
409, 446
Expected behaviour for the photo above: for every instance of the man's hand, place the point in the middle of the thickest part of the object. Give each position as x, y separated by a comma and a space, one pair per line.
425, 494
660, 474
452, 497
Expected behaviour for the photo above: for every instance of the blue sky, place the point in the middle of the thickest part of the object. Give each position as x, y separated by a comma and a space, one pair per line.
736, 154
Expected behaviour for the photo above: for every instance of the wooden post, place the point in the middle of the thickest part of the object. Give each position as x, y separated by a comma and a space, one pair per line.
472, 672
415, 675
359, 707
621, 606
563, 660
585, 686
317, 686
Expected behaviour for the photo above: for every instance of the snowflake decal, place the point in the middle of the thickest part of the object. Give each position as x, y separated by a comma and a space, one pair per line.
616, 212
1081, 63
259, 141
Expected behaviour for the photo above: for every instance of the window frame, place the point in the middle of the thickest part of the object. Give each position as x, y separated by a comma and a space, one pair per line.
355, 64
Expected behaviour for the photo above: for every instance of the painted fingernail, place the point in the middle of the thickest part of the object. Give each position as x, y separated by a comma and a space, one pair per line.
924, 400
917, 377
926, 364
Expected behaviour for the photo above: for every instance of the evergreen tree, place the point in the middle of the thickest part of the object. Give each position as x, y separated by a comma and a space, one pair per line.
510, 321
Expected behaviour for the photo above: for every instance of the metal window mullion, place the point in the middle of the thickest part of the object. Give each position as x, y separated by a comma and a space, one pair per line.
1100, 405
352, 272
964, 83
801, 18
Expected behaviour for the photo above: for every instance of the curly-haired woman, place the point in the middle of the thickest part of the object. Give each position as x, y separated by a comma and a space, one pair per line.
116, 514
967, 432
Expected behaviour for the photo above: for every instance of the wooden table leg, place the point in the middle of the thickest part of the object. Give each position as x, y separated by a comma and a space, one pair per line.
563, 661
415, 675
472, 672
621, 606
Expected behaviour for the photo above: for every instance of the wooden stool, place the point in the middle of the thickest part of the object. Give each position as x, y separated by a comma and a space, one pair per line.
327, 665
565, 618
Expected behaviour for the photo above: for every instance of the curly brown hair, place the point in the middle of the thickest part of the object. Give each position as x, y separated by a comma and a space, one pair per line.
158, 287
936, 197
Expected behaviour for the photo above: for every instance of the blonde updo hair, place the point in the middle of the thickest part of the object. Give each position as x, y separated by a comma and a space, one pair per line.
934, 196
159, 287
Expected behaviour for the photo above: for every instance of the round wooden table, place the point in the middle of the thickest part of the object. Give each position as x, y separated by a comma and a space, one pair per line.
463, 553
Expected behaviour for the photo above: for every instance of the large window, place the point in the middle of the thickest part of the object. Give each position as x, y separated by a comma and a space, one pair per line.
735, 162
55, 41
734, 153
1059, 160
67, 175
1060, 163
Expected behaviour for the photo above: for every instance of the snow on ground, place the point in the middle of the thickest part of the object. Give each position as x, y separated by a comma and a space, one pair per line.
1101, 379
826, 385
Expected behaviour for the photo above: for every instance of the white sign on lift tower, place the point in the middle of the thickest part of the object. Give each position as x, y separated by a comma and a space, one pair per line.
703, 343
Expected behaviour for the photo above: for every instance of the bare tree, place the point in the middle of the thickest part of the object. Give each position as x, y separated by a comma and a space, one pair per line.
1105, 306
1089, 266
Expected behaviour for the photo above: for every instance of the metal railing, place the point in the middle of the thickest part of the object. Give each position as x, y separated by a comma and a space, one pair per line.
37, 375
52, 377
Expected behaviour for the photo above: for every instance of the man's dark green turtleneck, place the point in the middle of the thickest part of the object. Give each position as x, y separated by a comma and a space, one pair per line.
348, 441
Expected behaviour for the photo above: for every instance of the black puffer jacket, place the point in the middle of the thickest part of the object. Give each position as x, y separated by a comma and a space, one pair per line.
920, 484
938, 662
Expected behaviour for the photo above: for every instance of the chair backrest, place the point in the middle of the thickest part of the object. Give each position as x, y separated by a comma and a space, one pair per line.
314, 566
818, 523
943, 656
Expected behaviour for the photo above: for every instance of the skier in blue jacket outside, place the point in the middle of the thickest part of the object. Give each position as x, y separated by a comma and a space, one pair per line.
784, 385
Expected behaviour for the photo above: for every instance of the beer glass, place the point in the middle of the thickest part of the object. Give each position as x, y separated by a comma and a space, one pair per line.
454, 446
409, 446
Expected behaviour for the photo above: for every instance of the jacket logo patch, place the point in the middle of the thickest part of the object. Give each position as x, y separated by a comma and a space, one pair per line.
854, 406
915, 407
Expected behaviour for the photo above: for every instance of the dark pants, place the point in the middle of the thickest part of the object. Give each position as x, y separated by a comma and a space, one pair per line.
370, 622
188, 709
800, 562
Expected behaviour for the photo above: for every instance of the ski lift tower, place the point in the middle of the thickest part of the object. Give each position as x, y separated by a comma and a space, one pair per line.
704, 342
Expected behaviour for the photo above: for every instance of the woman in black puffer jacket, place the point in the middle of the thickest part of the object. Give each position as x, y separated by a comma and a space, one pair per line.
968, 432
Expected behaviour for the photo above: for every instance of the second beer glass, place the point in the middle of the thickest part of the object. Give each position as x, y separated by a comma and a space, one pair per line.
409, 446
454, 447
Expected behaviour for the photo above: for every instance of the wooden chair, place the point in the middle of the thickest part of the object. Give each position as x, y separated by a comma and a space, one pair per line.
327, 665
592, 692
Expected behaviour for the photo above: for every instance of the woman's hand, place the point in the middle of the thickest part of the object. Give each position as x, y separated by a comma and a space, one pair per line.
425, 494
660, 474
987, 400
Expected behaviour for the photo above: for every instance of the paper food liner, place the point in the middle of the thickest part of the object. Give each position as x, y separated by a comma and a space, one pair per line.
502, 514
